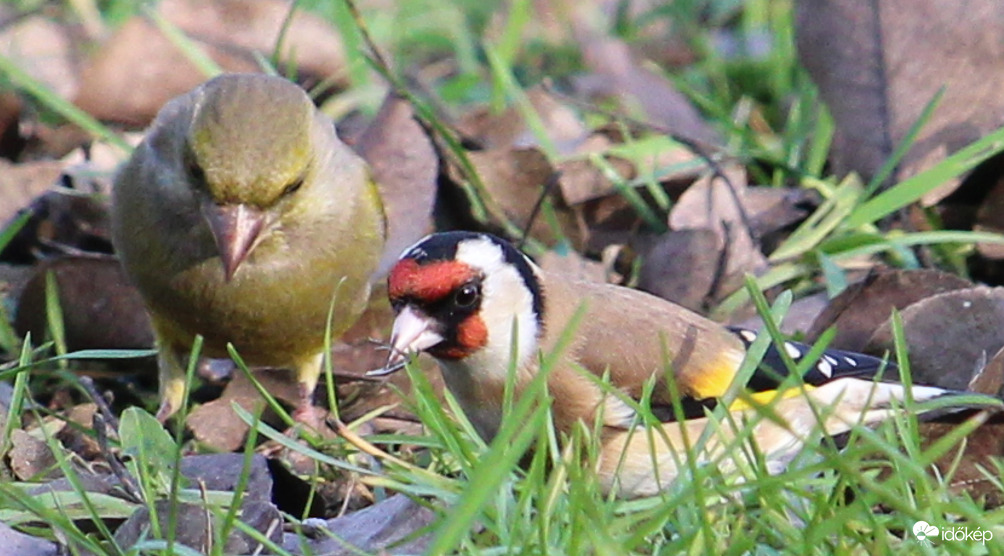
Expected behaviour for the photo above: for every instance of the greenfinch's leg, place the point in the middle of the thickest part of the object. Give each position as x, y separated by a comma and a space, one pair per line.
172, 380
308, 371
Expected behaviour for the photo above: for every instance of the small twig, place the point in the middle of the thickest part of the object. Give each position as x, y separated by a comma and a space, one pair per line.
552, 180
101, 402
128, 483
722, 264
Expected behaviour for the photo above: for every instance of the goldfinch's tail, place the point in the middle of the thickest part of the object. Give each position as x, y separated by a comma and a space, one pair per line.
643, 461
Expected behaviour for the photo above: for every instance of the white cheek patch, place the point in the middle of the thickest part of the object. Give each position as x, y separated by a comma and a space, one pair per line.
506, 301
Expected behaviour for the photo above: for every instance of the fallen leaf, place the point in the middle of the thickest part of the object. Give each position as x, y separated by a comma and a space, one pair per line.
772, 211
406, 167
573, 265
138, 69
225, 472
967, 472
944, 355
44, 49
514, 180
715, 204
582, 180
681, 266
30, 457
509, 129
879, 64
858, 311
101, 309
20, 184
215, 425
622, 76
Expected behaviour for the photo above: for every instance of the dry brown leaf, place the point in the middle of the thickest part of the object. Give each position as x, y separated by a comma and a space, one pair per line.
619, 74
138, 69
564, 129
61, 222
573, 265
224, 472
101, 309
712, 203
681, 266
772, 210
878, 64
860, 310
30, 457
514, 179
79, 439
215, 424
44, 50
949, 336
582, 181
20, 184
981, 446
405, 166
800, 316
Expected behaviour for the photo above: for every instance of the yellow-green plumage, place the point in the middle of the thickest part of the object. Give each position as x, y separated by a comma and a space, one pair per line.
246, 145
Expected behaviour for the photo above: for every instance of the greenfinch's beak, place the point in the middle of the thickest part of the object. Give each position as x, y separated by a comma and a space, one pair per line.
236, 229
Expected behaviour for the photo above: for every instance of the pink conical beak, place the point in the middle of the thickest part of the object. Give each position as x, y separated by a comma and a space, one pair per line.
236, 229
413, 332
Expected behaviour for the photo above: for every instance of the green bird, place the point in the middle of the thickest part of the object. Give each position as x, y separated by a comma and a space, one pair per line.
242, 217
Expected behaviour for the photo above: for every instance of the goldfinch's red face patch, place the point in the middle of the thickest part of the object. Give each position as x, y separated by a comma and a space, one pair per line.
448, 294
429, 282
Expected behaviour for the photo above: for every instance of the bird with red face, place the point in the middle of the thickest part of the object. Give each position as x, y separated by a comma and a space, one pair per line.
473, 302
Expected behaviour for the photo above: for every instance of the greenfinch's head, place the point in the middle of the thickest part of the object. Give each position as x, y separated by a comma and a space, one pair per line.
249, 140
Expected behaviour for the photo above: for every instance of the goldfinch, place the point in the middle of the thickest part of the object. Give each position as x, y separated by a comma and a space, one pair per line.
473, 301
241, 217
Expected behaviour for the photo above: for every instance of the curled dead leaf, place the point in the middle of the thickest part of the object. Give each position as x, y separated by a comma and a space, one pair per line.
949, 335
858, 311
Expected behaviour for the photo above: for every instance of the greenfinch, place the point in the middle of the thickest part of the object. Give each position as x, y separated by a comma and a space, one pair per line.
242, 218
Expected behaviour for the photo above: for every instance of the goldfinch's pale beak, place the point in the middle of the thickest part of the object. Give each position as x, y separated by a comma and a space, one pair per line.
413, 332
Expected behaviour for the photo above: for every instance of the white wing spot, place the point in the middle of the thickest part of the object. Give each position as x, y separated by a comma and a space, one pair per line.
830, 359
748, 335
851, 361
792, 350
826, 368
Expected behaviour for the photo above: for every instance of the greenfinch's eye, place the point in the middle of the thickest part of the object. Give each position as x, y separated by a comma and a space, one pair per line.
194, 170
467, 295
293, 187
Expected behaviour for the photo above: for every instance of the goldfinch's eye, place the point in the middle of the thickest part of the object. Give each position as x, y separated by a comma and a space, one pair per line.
467, 295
